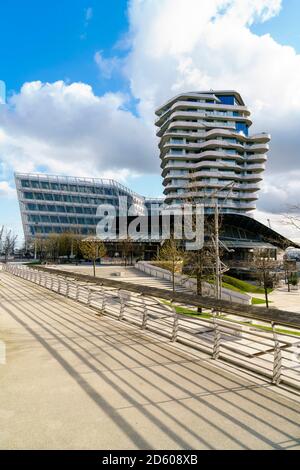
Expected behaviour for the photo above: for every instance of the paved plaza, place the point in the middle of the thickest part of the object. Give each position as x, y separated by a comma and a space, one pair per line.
279, 298
75, 379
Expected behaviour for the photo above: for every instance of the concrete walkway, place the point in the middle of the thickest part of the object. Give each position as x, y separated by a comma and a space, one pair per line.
283, 300
73, 379
128, 274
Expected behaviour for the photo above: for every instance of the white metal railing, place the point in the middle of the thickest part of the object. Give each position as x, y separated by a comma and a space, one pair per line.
267, 348
191, 284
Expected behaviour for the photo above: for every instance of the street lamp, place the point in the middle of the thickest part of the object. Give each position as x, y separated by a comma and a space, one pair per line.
35, 242
217, 241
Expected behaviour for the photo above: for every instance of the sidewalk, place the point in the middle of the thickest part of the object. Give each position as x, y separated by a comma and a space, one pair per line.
282, 299
73, 379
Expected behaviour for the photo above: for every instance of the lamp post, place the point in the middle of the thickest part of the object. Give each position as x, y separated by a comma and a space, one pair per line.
217, 241
35, 242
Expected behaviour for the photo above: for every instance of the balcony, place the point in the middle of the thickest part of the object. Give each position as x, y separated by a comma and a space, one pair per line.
209, 109
256, 158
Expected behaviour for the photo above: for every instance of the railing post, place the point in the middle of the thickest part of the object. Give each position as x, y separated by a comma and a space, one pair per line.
217, 337
175, 325
89, 297
277, 361
122, 306
67, 289
145, 314
103, 304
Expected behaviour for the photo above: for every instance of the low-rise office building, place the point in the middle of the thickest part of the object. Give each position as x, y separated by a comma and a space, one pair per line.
58, 204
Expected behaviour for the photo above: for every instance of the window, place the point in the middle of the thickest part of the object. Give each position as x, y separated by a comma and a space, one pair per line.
242, 127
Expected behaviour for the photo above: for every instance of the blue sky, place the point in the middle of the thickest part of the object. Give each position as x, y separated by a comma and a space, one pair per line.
57, 41
50, 41
44, 40
284, 27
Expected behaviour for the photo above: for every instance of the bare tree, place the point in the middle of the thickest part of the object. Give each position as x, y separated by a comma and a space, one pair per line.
7, 242
126, 248
201, 264
51, 247
39, 246
293, 216
264, 268
172, 255
92, 250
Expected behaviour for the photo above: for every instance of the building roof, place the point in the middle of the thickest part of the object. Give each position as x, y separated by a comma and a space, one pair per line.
266, 234
202, 94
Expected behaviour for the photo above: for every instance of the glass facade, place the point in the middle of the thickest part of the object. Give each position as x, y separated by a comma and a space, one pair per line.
54, 204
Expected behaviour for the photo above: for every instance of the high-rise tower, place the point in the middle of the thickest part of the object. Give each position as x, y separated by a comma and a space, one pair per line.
205, 146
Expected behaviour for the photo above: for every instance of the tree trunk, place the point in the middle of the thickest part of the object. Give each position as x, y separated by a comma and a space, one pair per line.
199, 289
266, 296
173, 276
94, 267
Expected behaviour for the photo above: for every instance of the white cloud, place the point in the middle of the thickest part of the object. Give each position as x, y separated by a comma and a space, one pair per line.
107, 66
2, 92
6, 190
88, 14
279, 223
180, 45
67, 129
